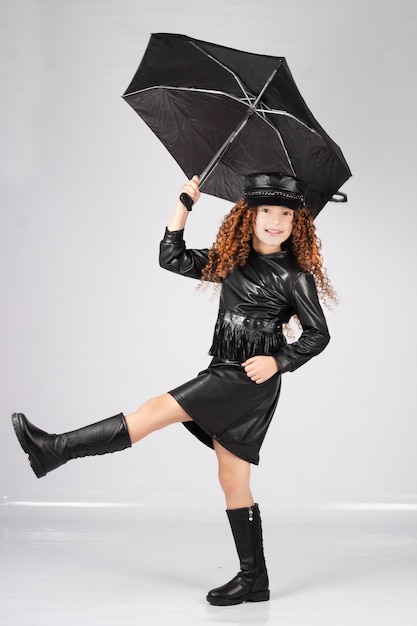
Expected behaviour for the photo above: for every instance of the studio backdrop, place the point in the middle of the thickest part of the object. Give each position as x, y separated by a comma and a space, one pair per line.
91, 325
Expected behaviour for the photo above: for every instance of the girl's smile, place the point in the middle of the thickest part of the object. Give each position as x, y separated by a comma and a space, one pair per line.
272, 226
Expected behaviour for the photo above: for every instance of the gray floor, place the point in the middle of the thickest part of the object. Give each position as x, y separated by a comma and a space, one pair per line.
102, 566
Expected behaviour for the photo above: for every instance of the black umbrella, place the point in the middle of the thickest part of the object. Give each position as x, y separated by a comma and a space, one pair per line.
225, 113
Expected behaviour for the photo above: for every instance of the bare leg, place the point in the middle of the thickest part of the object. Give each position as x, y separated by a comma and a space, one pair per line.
155, 414
234, 477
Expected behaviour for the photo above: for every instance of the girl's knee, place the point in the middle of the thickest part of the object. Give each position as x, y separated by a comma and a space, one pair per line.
146, 409
150, 406
161, 411
232, 478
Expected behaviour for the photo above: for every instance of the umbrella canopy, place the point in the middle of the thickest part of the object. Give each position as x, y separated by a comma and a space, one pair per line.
223, 113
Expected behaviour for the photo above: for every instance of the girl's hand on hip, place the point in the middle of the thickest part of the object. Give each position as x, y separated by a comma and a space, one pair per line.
260, 368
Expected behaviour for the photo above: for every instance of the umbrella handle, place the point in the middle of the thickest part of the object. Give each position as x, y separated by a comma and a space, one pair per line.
187, 201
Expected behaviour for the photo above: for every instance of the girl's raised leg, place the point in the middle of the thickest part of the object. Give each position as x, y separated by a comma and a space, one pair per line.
48, 451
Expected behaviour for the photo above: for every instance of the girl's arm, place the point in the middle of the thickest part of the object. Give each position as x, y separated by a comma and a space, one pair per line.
312, 341
315, 335
173, 254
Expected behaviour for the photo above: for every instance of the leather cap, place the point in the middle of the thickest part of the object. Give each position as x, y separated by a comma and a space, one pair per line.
274, 188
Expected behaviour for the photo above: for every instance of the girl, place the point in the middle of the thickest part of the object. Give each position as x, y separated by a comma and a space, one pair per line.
267, 259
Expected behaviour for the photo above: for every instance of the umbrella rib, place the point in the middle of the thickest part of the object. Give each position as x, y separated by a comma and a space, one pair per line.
286, 114
196, 89
216, 92
246, 93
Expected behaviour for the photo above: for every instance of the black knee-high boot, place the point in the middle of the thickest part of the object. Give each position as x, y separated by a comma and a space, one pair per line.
47, 452
251, 582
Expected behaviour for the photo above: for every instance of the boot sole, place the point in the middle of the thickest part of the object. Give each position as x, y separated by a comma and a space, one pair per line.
21, 436
259, 596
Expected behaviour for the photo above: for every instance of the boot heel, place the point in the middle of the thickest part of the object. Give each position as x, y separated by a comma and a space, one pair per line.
259, 596
37, 468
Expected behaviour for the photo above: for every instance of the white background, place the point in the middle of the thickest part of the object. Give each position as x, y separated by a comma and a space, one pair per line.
91, 326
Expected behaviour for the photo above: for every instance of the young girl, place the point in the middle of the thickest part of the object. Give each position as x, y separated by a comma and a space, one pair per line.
267, 259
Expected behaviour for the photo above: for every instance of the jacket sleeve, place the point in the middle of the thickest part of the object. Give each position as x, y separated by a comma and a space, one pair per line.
315, 335
175, 257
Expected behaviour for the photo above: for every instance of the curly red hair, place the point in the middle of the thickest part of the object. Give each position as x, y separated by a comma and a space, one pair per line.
233, 245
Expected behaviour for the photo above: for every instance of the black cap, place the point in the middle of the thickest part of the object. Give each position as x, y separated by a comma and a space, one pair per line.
274, 188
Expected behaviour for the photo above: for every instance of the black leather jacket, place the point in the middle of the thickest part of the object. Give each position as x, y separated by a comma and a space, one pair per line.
255, 301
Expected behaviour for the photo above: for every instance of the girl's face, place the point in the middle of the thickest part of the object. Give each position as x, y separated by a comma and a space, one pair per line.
272, 226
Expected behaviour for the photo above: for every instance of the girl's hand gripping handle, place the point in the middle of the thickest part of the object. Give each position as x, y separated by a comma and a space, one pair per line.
181, 212
188, 198
187, 201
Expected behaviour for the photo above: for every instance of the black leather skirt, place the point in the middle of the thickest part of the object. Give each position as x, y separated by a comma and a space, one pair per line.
227, 406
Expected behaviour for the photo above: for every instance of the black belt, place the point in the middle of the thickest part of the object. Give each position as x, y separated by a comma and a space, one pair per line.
255, 323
